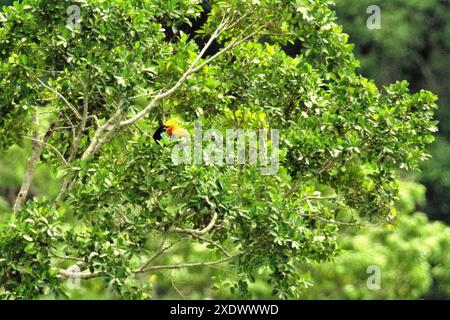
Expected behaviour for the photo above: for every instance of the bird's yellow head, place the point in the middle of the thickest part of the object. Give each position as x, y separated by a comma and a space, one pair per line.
172, 123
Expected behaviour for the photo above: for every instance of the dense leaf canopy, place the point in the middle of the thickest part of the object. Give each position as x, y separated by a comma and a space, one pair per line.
100, 91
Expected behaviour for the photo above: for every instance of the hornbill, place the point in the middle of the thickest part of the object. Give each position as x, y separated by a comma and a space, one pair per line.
171, 129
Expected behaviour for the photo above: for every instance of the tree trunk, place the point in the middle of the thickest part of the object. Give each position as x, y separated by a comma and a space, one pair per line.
36, 151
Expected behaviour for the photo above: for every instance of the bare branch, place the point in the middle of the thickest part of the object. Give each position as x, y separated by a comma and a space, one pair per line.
79, 275
214, 244
199, 232
98, 133
190, 265
77, 139
49, 145
231, 45
160, 251
90, 275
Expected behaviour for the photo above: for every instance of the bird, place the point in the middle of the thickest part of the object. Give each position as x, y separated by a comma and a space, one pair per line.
171, 128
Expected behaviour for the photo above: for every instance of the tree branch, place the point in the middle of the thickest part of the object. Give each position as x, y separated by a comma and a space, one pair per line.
74, 110
161, 250
93, 146
199, 232
190, 265
79, 275
90, 275
49, 145
77, 139
230, 46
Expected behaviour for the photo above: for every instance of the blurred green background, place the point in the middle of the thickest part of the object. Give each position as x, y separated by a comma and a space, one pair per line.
414, 258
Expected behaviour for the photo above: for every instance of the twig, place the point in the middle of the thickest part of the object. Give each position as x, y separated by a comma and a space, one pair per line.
173, 285
231, 45
322, 198
77, 139
66, 258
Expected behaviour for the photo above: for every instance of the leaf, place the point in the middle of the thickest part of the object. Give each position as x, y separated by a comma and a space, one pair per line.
27, 237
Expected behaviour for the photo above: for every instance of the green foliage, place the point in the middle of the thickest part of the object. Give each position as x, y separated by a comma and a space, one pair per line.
342, 141
26, 252
410, 258
412, 44
413, 257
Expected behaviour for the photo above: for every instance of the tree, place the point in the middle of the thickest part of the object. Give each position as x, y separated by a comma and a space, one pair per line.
88, 98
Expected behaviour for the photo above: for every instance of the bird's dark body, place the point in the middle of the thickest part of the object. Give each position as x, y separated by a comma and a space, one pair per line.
159, 133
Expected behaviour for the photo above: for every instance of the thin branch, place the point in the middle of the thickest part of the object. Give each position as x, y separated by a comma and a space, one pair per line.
74, 110
97, 136
49, 145
199, 232
328, 164
144, 95
79, 275
142, 131
160, 251
90, 275
42, 112
231, 45
221, 248
237, 21
36, 151
72, 126
173, 285
66, 258
314, 216
77, 139
323, 198
190, 265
